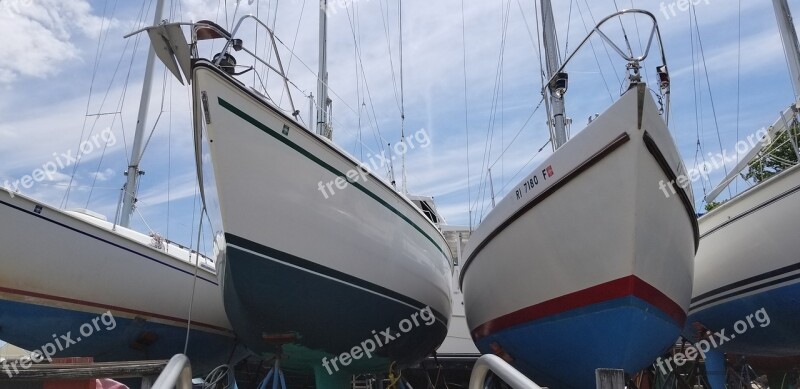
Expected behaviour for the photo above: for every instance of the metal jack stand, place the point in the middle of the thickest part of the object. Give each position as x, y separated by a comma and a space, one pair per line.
275, 374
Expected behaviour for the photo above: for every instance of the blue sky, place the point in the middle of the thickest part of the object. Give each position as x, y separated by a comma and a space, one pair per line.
49, 83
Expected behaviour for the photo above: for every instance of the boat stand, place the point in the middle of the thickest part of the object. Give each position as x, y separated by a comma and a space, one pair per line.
276, 375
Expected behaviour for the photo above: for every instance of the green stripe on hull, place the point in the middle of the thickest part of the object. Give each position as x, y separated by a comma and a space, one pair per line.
325, 165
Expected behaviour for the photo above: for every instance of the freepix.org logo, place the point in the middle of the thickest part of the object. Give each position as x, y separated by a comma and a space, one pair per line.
59, 343
714, 340
715, 162
669, 9
376, 163
61, 161
381, 338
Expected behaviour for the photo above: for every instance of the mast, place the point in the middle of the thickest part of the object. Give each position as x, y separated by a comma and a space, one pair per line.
550, 40
322, 76
133, 173
792, 49
790, 44
404, 182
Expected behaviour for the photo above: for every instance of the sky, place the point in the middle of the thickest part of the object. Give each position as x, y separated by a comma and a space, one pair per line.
471, 80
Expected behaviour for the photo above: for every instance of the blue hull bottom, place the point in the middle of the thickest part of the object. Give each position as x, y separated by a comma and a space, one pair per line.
32, 327
775, 331
269, 293
563, 350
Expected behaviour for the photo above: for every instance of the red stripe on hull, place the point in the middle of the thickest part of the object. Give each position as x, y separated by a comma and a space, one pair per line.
622, 287
110, 307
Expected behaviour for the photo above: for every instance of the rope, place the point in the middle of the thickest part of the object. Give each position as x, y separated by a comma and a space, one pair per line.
194, 281
393, 380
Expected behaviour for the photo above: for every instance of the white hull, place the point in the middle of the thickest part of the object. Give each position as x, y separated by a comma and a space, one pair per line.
65, 265
594, 246
749, 259
365, 238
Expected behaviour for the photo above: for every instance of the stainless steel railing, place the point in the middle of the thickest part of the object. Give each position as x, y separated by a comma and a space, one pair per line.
177, 374
502, 369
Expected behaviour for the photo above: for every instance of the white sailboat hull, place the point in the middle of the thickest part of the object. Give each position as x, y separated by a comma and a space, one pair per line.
328, 269
587, 264
64, 269
749, 261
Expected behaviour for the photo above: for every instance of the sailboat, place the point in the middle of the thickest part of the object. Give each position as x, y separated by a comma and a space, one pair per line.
586, 264
747, 268
326, 282
138, 293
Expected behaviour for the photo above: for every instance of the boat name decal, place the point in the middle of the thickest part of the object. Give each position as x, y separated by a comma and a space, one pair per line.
534, 181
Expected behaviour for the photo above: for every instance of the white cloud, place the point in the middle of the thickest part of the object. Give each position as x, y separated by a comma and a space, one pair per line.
104, 175
43, 34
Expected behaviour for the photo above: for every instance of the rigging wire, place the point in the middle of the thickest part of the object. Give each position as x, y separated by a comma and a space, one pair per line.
386, 27
354, 28
375, 126
488, 145
294, 44
526, 165
738, 84
605, 45
596, 59
518, 133
274, 22
624, 32
101, 42
639, 38
534, 41
169, 158
708, 84
697, 107
569, 24
404, 182
466, 110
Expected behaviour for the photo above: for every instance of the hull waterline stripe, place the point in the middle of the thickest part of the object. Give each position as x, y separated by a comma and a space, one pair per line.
745, 282
652, 147
263, 127
107, 241
753, 210
305, 265
591, 161
84, 303
619, 288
